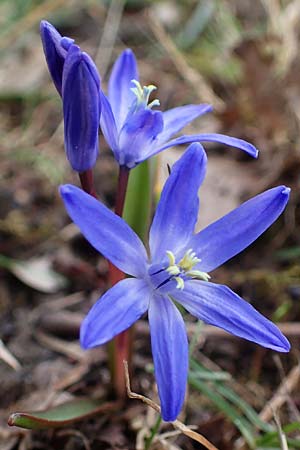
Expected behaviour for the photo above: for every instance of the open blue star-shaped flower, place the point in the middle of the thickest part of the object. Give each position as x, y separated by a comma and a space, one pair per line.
176, 269
134, 131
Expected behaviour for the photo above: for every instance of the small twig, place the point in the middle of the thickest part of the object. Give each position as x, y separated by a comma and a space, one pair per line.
281, 395
290, 400
176, 423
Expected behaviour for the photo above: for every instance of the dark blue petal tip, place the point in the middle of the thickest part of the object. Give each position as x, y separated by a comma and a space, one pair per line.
54, 51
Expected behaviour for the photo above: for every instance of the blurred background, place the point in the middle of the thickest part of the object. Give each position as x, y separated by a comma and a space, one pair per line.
243, 58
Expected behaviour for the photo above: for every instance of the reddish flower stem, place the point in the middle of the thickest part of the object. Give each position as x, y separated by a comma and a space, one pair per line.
122, 342
87, 182
121, 190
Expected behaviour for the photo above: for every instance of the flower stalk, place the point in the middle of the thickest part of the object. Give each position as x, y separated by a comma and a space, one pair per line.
120, 349
87, 182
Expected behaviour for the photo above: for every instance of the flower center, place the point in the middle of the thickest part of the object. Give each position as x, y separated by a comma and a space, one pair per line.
181, 271
142, 95
184, 268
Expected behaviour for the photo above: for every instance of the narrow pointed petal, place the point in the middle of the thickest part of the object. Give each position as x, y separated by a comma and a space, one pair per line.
214, 137
235, 231
81, 107
170, 354
177, 210
119, 93
114, 312
177, 118
218, 305
55, 53
137, 135
105, 231
108, 125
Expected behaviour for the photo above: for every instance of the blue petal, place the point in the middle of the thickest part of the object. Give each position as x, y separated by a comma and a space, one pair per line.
114, 312
177, 118
119, 93
177, 211
137, 135
108, 125
214, 137
234, 232
218, 305
105, 231
170, 354
81, 106
54, 52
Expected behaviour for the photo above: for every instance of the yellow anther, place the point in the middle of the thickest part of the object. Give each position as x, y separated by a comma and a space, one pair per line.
184, 267
173, 270
171, 257
189, 260
198, 275
180, 283
143, 93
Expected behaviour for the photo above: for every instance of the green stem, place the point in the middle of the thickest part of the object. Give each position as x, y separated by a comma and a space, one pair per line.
154, 432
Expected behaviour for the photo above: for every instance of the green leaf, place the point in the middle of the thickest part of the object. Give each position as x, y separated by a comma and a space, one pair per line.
233, 397
61, 415
272, 438
249, 412
201, 16
138, 200
235, 417
288, 254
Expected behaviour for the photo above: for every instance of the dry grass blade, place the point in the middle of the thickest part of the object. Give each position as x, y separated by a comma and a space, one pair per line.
110, 31
282, 436
72, 377
281, 395
290, 329
196, 81
7, 357
176, 424
70, 349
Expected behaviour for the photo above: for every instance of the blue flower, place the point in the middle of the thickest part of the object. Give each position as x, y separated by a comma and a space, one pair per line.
81, 108
176, 269
78, 82
134, 131
55, 48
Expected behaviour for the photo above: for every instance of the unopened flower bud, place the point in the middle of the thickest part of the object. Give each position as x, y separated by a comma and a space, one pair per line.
55, 49
81, 108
